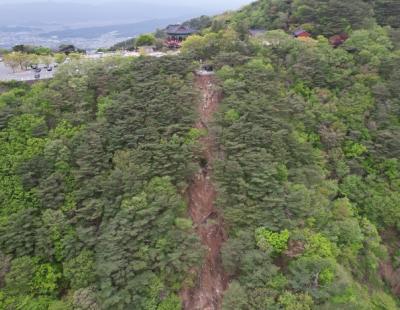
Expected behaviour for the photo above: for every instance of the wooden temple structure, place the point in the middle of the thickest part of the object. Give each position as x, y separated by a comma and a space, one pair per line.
176, 34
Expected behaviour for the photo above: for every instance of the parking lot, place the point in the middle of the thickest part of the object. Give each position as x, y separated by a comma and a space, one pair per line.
6, 74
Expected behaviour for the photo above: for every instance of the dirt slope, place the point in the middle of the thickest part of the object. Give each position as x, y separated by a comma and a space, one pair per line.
212, 281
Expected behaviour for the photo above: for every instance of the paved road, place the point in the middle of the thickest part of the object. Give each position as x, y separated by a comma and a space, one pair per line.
6, 74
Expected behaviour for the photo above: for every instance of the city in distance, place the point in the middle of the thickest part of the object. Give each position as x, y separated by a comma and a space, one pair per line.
93, 24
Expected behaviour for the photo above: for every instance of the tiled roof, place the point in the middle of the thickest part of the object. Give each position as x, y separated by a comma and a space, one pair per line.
179, 29
257, 32
299, 32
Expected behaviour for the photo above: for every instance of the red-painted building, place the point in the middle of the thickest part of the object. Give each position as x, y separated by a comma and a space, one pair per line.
176, 34
301, 33
338, 39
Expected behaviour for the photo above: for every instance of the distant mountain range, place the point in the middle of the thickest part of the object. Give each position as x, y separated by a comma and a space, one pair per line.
85, 25
92, 25
49, 13
122, 30
18, 29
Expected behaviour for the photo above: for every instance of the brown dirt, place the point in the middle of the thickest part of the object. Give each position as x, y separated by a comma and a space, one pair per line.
391, 276
388, 272
211, 280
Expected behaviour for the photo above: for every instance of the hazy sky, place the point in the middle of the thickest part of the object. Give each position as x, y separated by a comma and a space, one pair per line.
228, 4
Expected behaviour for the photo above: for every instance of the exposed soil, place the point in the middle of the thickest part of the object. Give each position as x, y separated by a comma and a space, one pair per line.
211, 280
388, 271
391, 276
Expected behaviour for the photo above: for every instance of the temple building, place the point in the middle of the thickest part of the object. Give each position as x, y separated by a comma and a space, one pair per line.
176, 34
301, 33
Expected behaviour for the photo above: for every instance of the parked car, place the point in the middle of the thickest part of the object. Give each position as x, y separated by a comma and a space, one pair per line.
34, 67
50, 69
38, 70
37, 76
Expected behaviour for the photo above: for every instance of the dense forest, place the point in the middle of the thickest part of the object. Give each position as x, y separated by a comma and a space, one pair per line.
95, 164
92, 169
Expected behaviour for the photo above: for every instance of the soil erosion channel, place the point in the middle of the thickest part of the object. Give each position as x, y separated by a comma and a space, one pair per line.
212, 281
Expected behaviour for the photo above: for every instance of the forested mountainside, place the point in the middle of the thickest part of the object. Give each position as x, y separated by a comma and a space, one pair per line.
325, 17
95, 167
92, 169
